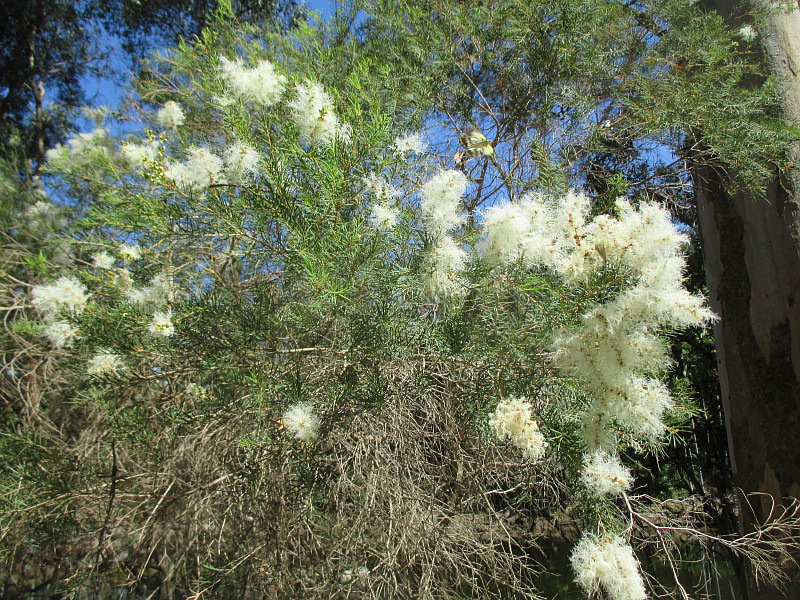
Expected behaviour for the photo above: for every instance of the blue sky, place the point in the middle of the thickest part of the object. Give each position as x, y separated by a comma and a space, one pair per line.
104, 91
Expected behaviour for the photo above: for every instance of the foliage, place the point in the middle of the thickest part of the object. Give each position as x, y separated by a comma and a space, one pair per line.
287, 351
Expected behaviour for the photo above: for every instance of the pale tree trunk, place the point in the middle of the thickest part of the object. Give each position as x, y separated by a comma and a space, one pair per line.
752, 259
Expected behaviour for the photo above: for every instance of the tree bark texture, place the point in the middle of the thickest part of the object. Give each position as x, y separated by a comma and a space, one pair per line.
751, 252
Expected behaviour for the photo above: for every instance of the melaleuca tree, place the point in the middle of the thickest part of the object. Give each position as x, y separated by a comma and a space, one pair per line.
298, 353
644, 100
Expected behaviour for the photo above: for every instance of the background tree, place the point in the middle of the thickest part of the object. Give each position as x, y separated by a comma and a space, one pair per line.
752, 262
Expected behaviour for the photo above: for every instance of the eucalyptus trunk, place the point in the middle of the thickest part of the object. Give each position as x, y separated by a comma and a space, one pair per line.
752, 259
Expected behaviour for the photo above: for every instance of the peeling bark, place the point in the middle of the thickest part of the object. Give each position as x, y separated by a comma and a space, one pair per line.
752, 259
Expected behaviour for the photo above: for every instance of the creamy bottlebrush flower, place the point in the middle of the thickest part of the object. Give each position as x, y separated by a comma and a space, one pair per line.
61, 334
312, 111
171, 114
528, 231
616, 349
409, 143
105, 363
241, 160
195, 391
40, 210
747, 33
200, 170
44, 214
513, 420
130, 251
301, 422
383, 216
506, 228
609, 564
66, 292
122, 279
380, 188
162, 324
103, 260
443, 267
80, 146
603, 474
440, 201
137, 155
155, 295
261, 84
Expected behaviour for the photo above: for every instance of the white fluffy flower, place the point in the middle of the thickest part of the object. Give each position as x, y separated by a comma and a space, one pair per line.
105, 363
443, 268
80, 146
513, 420
610, 564
616, 350
171, 114
506, 228
260, 84
162, 324
201, 169
195, 391
103, 260
747, 33
138, 155
154, 295
43, 214
42, 209
130, 251
409, 143
241, 159
61, 334
66, 292
603, 474
440, 201
383, 216
301, 422
312, 111
380, 188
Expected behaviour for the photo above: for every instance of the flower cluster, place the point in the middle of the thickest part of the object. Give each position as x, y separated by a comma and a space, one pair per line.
440, 202
406, 144
616, 351
603, 474
610, 564
138, 155
154, 295
162, 324
66, 292
312, 111
241, 160
105, 363
171, 114
440, 205
61, 334
43, 214
80, 146
513, 420
103, 260
747, 33
383, 216
130, 251
261, 84
200, 170
301, 422
443, 268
